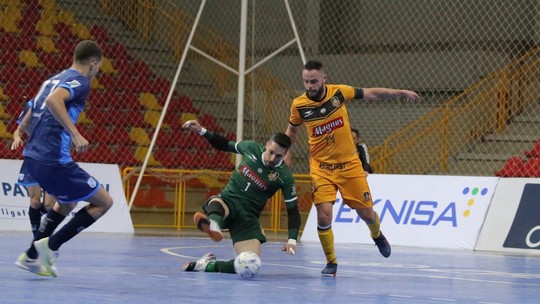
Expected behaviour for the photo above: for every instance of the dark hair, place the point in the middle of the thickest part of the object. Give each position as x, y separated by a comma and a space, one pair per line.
282, 139
355, 131
313, 65
86, 50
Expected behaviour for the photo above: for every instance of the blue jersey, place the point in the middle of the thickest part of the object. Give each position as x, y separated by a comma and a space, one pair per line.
26, 109
49, 141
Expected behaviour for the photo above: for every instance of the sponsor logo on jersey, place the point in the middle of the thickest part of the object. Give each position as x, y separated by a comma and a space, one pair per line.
336, 102
273, 176
252, 176
328, 127
308, 113
74, 83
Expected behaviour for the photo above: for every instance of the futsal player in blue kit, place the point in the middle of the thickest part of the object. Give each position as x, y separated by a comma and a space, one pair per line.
52, 133
37, 207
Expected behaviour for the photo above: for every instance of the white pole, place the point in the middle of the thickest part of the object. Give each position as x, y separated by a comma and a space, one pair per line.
241, 74
293, 24
171, 91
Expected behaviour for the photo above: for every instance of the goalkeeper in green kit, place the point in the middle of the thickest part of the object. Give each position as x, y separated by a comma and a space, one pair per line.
257, 178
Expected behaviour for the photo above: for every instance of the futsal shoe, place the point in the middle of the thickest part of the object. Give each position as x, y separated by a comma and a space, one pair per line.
46, 255
383, 245
208, 226
200, 264
32, 265
330, 269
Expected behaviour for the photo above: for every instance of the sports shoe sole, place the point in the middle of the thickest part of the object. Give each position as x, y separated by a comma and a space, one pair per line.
21, 265
202, 222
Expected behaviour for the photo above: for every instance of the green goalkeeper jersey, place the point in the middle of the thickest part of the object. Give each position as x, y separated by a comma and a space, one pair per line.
252, 183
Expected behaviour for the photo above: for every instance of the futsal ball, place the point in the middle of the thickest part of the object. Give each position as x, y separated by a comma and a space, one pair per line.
247, 264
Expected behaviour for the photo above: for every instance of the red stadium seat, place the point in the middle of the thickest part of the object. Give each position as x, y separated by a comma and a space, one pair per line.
100, 34
535, 151
15, 92
512, 168
54, 62
182, 104
11, 73
532, 167
124, 156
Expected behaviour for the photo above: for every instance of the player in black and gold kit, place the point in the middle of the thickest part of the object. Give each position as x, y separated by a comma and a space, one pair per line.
257, 178
334, 162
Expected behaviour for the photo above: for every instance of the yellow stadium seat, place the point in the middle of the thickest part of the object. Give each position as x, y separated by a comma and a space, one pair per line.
11, 2
14, 12
3, 95
46, 44
3, 131
140, 155
150, 101
49, 15
107, 67
139, 136
187, 116
8, 23
66, 17
48, 3
78, 29
94, 84
84, 120
46, 28
152, 117
30, 59
3, 113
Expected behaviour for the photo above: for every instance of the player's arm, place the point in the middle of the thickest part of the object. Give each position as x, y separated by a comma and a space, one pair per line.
17, 138
56, 104
217, 141
24, 119
384, 93
291, 131
293, 217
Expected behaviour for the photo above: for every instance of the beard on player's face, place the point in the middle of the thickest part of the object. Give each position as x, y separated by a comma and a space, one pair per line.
315, 94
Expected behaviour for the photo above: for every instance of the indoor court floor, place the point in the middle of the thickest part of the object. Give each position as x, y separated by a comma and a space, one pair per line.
109, 268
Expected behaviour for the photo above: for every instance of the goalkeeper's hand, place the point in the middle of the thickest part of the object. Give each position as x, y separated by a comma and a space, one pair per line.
290, 247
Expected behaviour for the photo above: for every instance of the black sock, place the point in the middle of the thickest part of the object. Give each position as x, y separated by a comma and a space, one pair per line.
46, 228
35, 218
42, 209
78, 223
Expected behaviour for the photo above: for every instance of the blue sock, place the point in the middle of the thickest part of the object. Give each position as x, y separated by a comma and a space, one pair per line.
78, 223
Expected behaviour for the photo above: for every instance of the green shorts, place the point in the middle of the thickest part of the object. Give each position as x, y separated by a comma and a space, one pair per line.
242, 224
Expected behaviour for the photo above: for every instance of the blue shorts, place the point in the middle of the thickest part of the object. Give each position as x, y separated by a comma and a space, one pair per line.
27, 180
68, 182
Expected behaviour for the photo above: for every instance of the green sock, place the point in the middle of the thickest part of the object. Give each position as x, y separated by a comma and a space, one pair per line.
221, 266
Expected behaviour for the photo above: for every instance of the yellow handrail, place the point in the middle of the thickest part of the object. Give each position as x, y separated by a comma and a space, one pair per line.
492, 92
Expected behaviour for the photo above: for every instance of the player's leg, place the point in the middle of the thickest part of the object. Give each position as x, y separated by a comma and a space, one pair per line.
48, 201
253, 245
374, 224
210, 221
324, 196
73, 184
99, 203
246, 234
36, 209
357, 195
